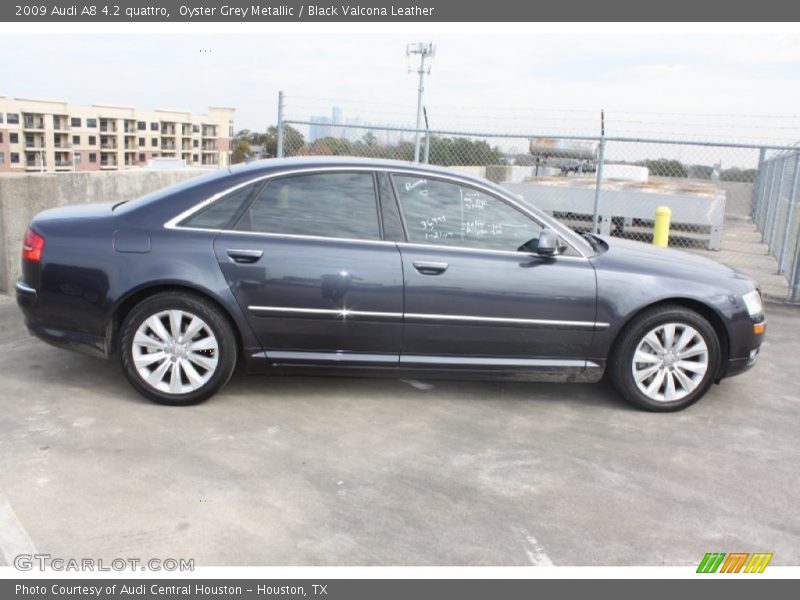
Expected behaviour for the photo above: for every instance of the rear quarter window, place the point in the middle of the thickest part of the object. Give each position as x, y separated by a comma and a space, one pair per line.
222, 212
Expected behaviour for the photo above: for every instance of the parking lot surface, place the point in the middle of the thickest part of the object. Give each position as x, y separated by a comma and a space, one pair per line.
351, 471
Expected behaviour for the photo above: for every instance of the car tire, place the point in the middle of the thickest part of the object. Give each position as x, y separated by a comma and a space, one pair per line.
665, 359
177, 348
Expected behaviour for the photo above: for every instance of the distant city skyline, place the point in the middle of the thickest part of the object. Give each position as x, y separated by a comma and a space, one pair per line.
356, 128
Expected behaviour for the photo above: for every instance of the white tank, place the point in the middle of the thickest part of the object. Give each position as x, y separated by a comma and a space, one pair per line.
551, 147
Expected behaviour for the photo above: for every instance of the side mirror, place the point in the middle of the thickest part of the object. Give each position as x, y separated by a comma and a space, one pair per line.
548, 243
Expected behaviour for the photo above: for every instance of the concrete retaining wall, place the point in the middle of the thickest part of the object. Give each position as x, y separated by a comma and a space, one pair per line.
22, 197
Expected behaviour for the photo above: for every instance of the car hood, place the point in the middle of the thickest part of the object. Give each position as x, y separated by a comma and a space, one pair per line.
646, 258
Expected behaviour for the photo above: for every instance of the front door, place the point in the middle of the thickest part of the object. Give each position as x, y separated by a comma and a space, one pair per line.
309, 268
477, 293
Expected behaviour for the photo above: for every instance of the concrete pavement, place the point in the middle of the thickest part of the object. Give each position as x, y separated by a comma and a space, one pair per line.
341, 471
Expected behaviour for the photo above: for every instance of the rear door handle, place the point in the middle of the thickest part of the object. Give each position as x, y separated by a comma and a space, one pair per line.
240, 255
425, 267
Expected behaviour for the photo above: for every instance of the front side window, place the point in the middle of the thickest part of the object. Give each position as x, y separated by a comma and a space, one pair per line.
220, 213
338, 205
75, 122
448, 214
91, 122
12, 118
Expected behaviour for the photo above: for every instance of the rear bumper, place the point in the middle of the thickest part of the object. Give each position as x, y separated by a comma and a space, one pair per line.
26, 295
72, 340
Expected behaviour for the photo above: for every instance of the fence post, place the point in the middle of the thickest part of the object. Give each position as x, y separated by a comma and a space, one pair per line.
756, 198
769, 172
777, 211
598, 184
772, 206
279, 151
794, 280
790, 215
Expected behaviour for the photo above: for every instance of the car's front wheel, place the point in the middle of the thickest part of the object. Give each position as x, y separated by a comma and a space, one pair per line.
177, 348
666, 359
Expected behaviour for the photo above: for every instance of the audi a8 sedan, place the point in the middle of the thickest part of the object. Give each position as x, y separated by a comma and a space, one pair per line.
361, 266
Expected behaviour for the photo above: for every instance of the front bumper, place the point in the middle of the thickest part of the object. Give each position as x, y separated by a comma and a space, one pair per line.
740, 364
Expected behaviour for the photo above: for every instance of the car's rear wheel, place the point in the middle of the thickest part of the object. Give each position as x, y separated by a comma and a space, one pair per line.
177, 348
666, 359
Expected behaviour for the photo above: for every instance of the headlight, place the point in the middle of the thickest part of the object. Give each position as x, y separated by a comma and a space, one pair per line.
752, 301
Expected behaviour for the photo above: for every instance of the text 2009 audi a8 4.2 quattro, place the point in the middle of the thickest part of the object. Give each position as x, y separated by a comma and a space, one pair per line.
376, 267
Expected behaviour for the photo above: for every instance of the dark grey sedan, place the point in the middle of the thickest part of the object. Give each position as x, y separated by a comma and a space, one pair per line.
374, 267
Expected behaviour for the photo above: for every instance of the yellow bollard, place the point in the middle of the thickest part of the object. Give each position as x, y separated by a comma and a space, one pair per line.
661, 228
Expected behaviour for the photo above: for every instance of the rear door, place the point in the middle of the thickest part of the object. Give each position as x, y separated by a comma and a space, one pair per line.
309, 267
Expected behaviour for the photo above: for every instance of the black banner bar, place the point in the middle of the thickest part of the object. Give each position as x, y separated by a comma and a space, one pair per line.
704, 587
243, 11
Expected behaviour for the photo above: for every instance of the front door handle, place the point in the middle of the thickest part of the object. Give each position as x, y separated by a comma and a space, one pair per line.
241, 255
425, 267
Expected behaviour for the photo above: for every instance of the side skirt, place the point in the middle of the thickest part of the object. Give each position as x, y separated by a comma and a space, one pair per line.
381, 366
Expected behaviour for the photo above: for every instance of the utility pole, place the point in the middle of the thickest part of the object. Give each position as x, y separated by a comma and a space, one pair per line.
279, 150
425, 52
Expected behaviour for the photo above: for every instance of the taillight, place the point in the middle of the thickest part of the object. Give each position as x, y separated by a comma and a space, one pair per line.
32, 246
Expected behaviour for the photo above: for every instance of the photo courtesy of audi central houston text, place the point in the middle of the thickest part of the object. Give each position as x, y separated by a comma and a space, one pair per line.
368, 267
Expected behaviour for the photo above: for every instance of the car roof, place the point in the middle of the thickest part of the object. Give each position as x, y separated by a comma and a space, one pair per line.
275, 164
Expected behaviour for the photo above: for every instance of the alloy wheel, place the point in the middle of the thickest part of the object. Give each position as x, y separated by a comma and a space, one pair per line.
175, 352
670, 362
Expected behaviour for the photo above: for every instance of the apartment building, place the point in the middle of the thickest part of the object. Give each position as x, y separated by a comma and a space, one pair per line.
47, 135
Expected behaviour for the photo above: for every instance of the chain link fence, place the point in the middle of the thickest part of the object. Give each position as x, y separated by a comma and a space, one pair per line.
735, 203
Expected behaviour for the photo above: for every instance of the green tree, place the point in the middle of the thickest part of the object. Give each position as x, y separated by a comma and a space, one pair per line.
463, 151
665, 167
240, 149
293, 141
369, 139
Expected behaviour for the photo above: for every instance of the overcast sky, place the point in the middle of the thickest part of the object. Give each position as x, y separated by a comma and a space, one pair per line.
478, 82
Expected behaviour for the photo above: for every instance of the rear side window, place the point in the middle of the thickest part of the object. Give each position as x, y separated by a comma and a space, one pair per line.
339, 205
220, 213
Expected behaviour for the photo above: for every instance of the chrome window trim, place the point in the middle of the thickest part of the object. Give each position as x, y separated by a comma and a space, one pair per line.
344, 313
173, 222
